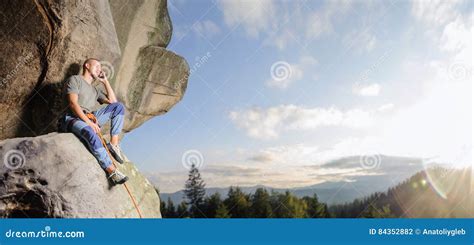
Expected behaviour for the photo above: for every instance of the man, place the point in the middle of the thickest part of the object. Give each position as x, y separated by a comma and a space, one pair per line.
82, 97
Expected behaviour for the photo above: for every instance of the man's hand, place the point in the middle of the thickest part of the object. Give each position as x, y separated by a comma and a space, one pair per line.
102, 77
94, 126
76, 109
110, 92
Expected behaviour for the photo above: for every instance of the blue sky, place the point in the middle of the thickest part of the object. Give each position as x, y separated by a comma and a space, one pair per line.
279, 85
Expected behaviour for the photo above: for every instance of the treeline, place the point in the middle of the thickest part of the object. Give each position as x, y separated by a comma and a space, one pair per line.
434, 193
237, 204
425, 194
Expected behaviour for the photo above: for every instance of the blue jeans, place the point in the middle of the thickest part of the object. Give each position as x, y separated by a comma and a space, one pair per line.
114, 112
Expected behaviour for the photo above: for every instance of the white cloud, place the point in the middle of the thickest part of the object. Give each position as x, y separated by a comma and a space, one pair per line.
285, 166
206, 28
320, 22
241, 174
435, 12
437, 124
308, 60
360, 41
367, 89
386, 107
299, 154
280, 23
254, 16
289, 27
457, 39
268, 123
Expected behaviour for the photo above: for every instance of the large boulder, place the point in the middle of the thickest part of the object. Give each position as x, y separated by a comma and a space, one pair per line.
153, 89
55, 176
150, 80
44, 42
141, 21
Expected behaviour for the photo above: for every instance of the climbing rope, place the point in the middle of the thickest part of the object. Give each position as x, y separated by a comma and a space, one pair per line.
94, 120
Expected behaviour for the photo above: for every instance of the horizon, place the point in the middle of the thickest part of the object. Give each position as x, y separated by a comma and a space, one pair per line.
431, 165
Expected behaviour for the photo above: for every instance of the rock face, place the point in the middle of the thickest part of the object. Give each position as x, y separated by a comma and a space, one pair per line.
154, 90
150, 79
142, 22
46, 41
55, 176
42, 42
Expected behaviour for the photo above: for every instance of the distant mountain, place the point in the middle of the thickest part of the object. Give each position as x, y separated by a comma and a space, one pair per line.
436, 192
382, 172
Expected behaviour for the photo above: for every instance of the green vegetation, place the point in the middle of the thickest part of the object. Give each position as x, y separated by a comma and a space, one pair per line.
414, 197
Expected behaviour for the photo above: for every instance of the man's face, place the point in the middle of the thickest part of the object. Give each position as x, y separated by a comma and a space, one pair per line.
95, 68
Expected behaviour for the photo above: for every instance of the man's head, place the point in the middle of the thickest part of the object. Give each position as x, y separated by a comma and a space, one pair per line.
92, 66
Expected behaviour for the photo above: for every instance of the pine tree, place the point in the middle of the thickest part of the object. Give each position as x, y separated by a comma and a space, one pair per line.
171, 210
182, 211
288, 206
237, 203
194, 192
163, 210
222, 212
260, 204
374, 212
212, 204
325, 212
315, 208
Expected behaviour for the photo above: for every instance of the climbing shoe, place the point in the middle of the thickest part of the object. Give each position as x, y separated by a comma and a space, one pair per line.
117, 177
116, 152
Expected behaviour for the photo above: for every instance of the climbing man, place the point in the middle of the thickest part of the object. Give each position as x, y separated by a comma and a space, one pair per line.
82, 98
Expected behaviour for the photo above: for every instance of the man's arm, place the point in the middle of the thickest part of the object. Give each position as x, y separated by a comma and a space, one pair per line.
76, 109
110, 92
